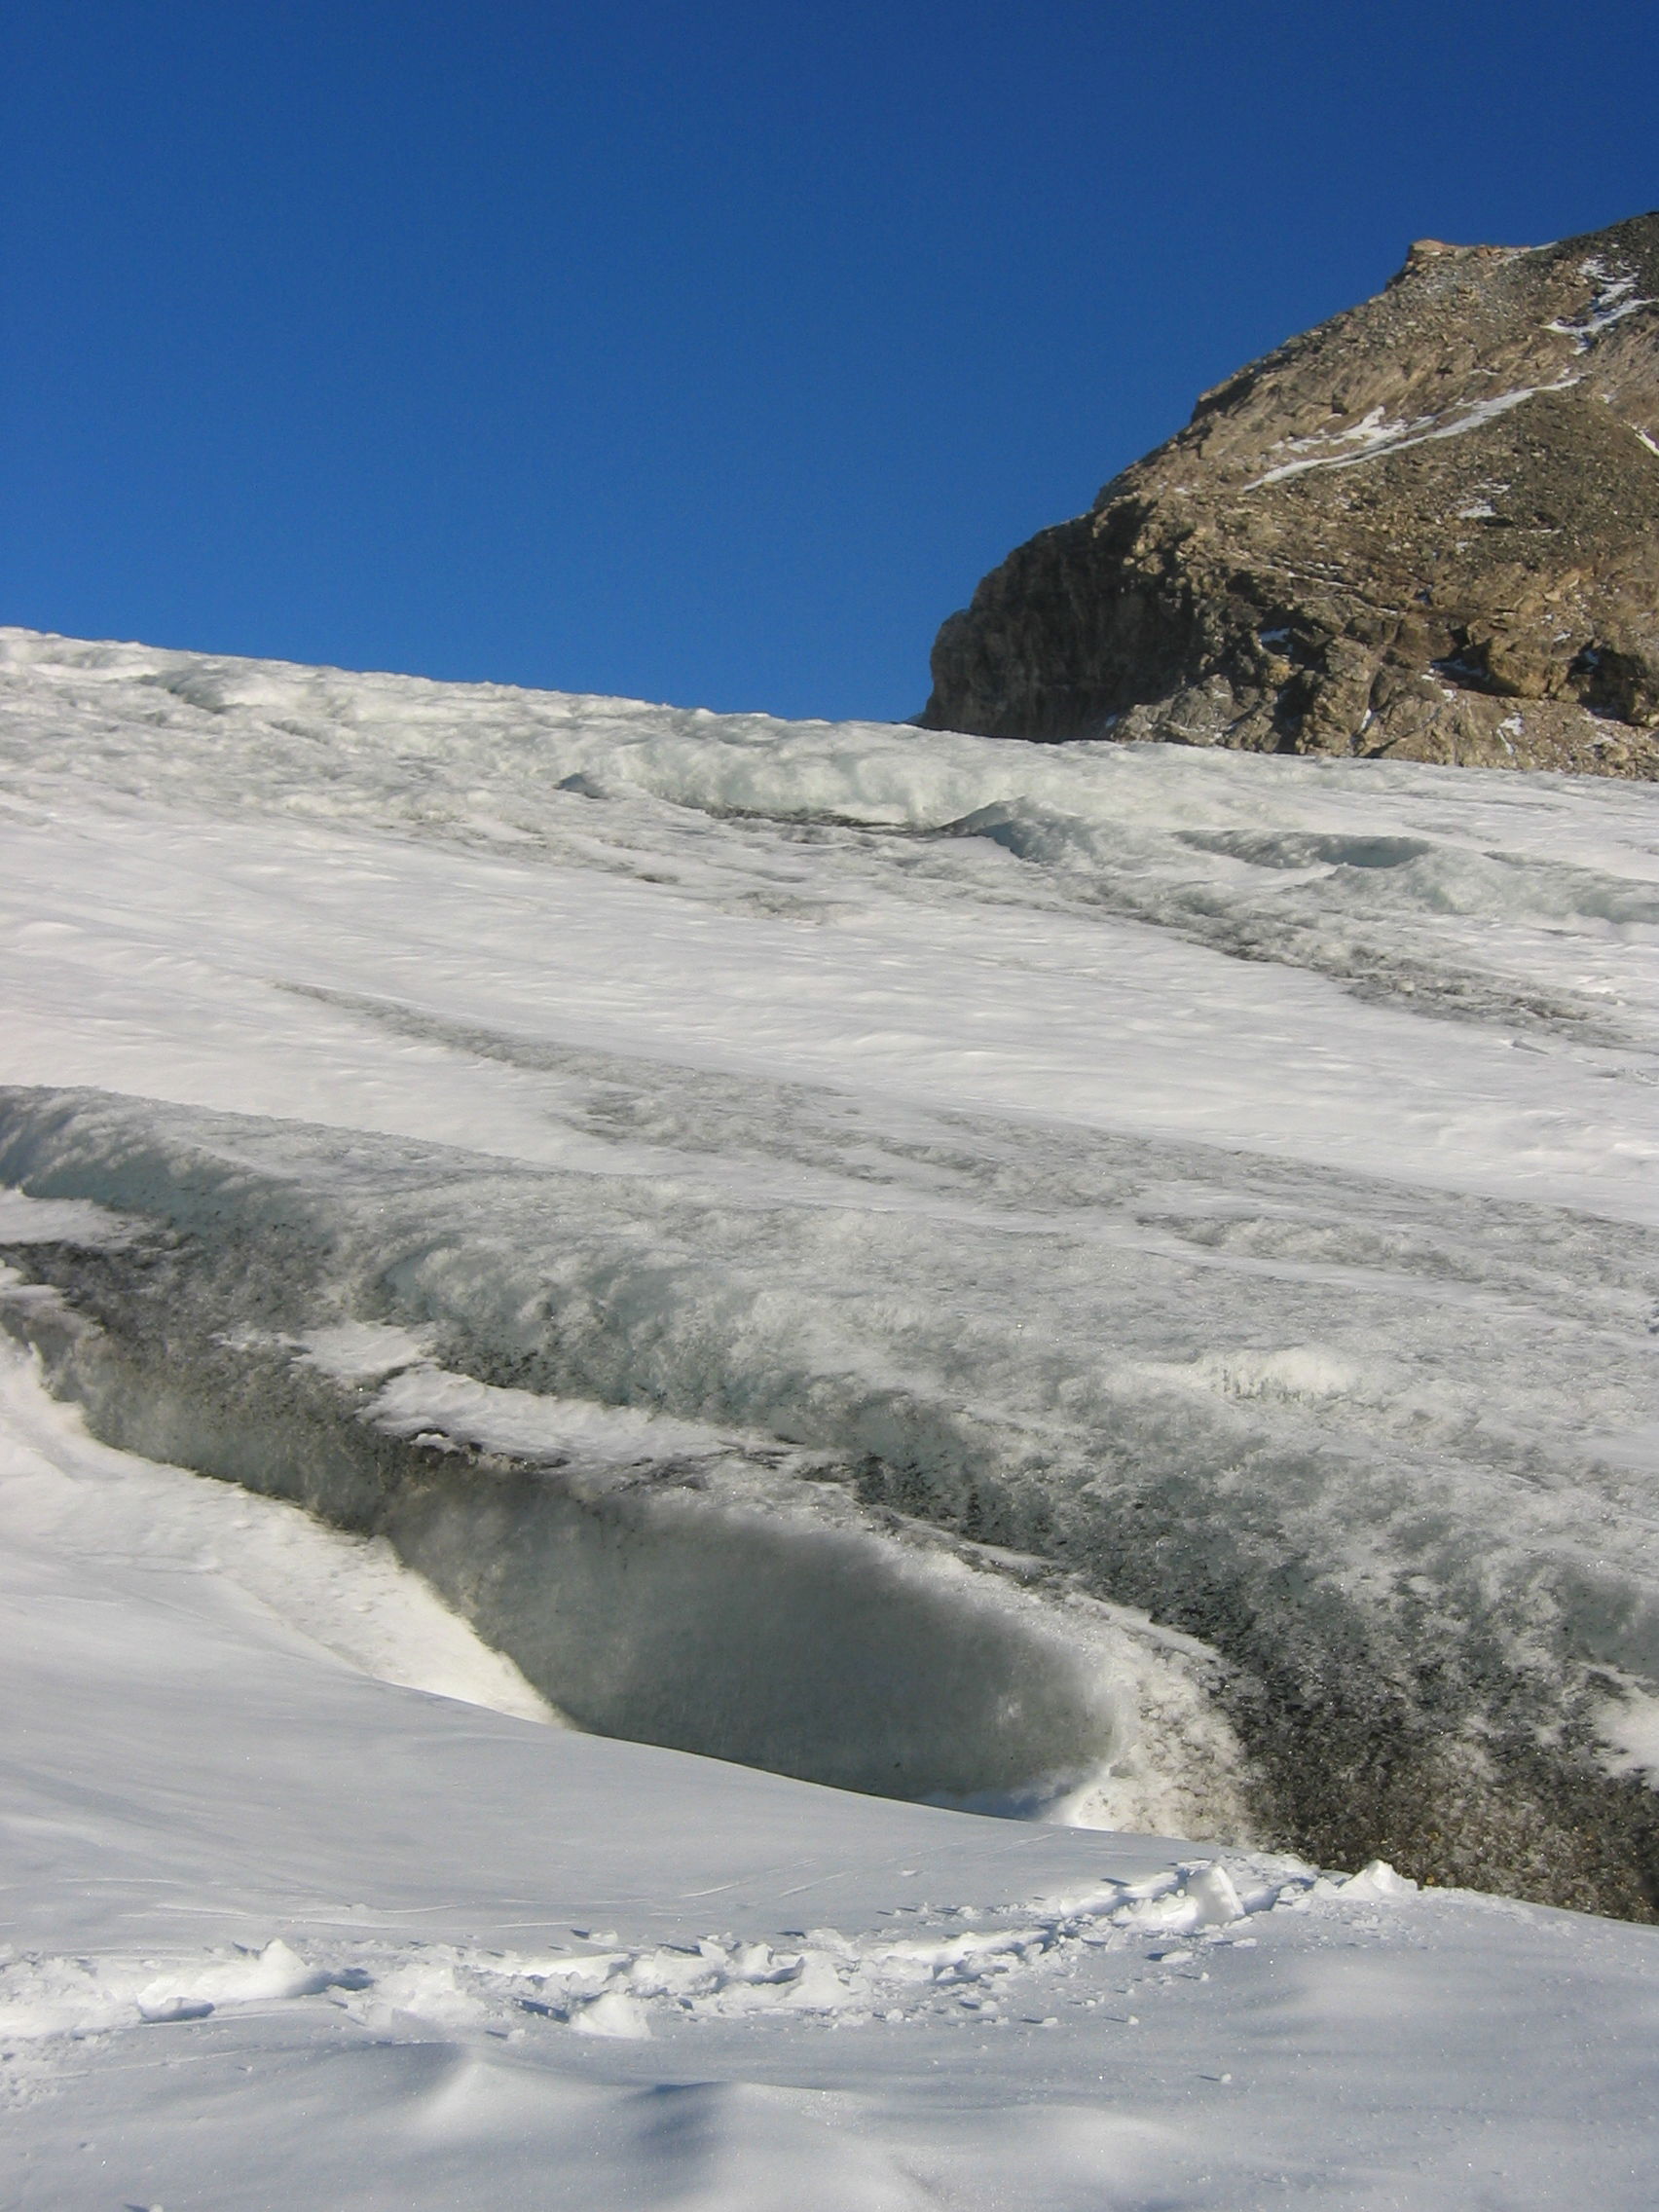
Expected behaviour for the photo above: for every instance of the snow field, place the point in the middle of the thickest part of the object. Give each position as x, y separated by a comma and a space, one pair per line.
1004, 1973
1526, 899
903, 1101
1102, 1284
279, 1933
1448, 1670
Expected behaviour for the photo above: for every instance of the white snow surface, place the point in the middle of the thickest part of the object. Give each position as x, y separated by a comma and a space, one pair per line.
280, 1933
195, 849
1269, 1142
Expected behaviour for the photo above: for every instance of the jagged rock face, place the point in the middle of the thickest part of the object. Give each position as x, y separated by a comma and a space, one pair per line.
1428, 529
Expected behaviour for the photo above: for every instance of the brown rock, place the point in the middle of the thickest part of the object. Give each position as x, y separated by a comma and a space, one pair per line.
1428, 529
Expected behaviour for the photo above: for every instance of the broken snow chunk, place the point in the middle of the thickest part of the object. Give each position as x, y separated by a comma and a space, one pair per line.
1217, 1898
61, 1221
169, 2009
613, 2014
1378, 1880
818, 1988
362, 1352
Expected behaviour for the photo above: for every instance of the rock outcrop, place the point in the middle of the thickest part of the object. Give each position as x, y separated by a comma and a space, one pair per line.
1428, 529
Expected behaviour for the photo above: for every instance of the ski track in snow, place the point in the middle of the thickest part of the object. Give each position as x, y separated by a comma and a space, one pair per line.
762, 1200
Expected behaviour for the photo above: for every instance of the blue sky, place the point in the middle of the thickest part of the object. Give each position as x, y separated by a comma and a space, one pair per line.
705, 352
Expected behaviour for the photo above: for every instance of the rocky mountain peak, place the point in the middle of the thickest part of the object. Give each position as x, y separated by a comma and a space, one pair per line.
1427, 529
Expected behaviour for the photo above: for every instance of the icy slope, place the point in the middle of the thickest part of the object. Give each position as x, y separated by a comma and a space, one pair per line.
1227, 1186
280, 1935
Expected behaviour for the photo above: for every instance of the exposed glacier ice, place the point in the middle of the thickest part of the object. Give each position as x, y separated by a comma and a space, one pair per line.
655, 1577
1165, 1236
346, 1595
274, 1929
1387, 1511
822, 823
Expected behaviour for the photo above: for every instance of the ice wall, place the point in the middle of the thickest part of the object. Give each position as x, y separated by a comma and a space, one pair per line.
656, 1578
1390, 1540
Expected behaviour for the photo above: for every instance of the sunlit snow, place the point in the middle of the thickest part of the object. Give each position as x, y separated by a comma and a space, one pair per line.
1080, 1282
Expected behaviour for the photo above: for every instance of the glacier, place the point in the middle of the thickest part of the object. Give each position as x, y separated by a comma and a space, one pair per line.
1111, 1286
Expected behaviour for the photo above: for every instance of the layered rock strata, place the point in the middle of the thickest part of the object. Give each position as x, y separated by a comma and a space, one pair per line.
1428, 529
